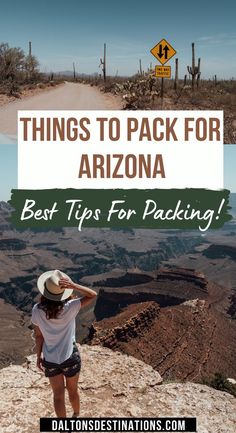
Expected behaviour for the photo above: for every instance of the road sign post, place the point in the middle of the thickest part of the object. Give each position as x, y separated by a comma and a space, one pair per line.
163, 51
162, 88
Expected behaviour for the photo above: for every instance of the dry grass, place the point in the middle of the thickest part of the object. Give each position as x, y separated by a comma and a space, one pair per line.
24, 90
144, 93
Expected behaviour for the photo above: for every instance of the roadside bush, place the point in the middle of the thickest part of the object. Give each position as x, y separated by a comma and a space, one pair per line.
11, 62
16, 69
220, 382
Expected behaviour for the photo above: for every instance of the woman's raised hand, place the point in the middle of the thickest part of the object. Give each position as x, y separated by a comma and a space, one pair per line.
65, 283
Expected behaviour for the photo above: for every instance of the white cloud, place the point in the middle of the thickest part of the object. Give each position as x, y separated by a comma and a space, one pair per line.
218, 39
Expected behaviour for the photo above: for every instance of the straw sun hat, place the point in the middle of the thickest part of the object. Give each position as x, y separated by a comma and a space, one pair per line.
48, 285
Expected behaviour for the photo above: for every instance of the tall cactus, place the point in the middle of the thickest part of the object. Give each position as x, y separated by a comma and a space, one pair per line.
199, 73
194, 70
140, 67
103, 64
30, 48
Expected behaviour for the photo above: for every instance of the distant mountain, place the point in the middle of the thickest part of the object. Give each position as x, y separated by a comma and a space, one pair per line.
4, 206
5, 210
80, 75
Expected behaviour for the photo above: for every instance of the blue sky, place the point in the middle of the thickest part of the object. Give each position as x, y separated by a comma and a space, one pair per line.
62, 32
8, 169
229, 167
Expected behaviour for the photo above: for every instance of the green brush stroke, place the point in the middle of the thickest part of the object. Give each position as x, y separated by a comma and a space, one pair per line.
199, 199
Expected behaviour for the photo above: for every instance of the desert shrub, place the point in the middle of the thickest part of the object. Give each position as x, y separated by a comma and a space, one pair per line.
16, 69
229, 86
228, 100
41, 85
220, 382
31, 65
10, 88
11, 62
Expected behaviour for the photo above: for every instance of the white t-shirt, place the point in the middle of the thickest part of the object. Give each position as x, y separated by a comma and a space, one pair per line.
59, 333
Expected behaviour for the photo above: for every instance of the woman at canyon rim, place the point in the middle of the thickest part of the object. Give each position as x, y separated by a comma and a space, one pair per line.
54, 329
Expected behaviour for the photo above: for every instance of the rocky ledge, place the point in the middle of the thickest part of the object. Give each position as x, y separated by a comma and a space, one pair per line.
112, 385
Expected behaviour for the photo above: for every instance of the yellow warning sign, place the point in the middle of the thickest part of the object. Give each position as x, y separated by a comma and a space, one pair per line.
163, 51
163, 71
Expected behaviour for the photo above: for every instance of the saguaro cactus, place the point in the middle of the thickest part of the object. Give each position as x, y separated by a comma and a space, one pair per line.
29, 61
30, 49
199, 73
103, 63
140, 67
176, 74
193, 70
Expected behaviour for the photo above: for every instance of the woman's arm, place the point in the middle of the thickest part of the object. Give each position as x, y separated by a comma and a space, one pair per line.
88, 294
39, 346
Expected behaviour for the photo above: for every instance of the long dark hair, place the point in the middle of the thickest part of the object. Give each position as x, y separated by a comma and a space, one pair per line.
52, 309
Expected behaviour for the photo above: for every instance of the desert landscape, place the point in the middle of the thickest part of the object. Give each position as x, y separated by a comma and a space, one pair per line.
24, 86
134, 93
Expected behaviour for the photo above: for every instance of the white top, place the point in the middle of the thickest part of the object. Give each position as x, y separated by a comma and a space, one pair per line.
59, 333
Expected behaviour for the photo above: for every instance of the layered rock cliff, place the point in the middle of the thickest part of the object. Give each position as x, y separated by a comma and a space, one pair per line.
215, 251
170, 286
191, 341
15, 336
171, 322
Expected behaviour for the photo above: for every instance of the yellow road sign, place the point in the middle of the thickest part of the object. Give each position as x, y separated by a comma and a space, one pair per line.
163, 71
163, 51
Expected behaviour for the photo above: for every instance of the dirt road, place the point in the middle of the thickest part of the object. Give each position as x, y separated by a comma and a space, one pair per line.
69, 96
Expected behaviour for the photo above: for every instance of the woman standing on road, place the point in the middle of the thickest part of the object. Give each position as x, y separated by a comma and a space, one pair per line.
54, 327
